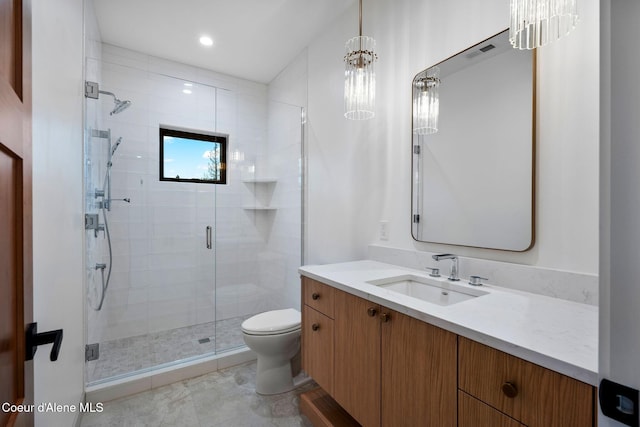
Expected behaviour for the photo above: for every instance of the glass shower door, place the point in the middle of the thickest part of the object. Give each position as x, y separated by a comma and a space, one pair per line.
158, 257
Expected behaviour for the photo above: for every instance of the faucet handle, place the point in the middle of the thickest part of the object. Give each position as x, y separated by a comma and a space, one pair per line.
476, 280
435, 272
99, 228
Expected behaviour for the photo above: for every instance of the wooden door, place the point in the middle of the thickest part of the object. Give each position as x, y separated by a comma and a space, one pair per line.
16, 306
419, 373
356, 382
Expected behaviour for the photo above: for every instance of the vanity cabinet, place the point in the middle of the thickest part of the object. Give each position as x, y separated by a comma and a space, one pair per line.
528, 393
391, 368
385, 368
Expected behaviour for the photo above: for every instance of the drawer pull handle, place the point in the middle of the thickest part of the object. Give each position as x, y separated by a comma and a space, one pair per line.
385, 317
371, 312
509, 389
315, 326
315, 296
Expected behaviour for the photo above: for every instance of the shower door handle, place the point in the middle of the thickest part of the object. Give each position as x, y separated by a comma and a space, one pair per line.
209, 242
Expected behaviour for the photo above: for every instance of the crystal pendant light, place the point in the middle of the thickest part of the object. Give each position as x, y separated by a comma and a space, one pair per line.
426, 101
360, 77
535, 23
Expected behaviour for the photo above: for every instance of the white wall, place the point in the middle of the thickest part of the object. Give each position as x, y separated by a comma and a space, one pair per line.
359, 172
57, 201
620, 201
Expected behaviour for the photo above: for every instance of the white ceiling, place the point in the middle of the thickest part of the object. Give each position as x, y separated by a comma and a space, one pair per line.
253, 39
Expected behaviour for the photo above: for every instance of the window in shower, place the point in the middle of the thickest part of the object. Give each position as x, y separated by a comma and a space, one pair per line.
193, 156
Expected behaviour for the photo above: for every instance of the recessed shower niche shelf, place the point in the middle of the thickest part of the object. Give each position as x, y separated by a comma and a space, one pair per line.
263, 195
260, 181
259, 208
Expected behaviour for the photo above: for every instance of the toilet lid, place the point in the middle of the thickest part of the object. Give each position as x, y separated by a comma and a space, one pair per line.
272, 322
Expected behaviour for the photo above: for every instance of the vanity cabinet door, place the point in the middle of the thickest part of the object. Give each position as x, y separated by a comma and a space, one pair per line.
474, 413
536, 396
317, 347
419, 373
357, 358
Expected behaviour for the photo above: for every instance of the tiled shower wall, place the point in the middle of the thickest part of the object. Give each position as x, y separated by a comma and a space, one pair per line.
163, 276
287, 134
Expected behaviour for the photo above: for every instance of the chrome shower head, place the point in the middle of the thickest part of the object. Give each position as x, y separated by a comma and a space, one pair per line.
120, 105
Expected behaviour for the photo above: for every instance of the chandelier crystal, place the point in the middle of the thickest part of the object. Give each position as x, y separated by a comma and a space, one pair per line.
535, 23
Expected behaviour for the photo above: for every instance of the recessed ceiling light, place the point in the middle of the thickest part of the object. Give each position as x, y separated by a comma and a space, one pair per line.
187, 91
188, 84
206, 41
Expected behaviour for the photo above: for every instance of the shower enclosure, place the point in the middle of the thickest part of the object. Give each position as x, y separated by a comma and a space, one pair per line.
189, 260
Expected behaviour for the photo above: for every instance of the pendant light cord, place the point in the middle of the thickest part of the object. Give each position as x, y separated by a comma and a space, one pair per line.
360, 18
360, 22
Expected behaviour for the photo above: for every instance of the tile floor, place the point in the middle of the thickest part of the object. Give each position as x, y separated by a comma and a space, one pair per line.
225, 398
137, 353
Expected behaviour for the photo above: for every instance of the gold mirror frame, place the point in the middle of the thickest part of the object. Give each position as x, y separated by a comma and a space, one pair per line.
497, 218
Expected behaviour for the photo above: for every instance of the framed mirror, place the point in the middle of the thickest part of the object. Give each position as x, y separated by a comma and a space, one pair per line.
473, 148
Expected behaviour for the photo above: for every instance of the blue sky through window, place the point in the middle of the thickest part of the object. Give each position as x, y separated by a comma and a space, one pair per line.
186, 158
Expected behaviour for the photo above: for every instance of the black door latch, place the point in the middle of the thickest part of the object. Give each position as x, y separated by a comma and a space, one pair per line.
619, 402
34, 339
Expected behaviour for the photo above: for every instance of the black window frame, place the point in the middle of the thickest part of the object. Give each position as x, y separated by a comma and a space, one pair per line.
212, 137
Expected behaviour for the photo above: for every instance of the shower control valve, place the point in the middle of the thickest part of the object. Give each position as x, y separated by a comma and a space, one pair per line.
90, 221
99, 227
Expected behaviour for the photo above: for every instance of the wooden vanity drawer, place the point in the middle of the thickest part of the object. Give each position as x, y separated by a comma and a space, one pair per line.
474, 413
533, 395
318, 296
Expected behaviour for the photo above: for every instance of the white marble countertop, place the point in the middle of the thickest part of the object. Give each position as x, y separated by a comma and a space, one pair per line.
557, 334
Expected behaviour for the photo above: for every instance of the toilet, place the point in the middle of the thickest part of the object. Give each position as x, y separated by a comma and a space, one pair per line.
275, 337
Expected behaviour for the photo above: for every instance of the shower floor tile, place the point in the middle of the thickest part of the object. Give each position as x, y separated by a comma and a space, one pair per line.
127, 355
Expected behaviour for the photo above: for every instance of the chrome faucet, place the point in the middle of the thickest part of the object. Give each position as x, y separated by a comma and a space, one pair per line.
453, 274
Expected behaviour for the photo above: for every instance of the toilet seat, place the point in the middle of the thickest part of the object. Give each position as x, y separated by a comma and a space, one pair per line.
273, 322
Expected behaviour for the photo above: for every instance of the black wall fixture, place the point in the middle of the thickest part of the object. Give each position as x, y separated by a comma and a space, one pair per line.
34, 339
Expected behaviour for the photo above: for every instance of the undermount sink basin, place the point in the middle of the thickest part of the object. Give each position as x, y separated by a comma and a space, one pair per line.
434, 291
